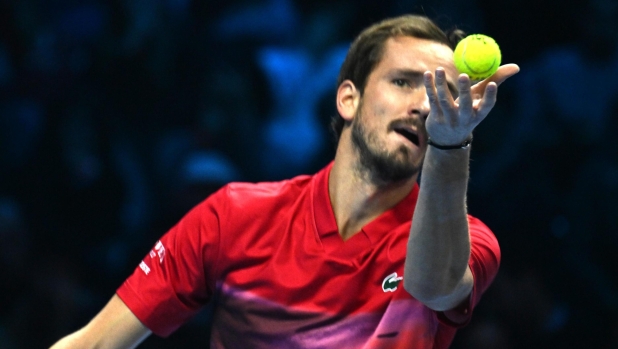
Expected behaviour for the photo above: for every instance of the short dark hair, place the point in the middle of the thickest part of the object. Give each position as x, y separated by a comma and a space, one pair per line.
368, 48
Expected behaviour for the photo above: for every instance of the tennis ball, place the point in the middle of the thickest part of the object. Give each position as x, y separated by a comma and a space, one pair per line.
478, 56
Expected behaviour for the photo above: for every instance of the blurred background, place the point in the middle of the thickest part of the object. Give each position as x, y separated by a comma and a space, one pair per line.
116, 117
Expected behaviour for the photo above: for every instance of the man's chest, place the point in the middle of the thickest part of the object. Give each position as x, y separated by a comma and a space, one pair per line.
294, 266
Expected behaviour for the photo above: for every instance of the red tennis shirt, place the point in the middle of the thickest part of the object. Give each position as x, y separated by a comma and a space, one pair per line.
270, 256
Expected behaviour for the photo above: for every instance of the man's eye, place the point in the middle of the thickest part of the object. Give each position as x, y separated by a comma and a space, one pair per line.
401, 83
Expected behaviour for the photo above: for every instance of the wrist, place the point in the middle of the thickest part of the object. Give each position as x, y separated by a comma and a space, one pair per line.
464, 145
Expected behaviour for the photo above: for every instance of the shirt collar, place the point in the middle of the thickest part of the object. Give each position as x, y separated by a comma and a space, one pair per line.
324, 216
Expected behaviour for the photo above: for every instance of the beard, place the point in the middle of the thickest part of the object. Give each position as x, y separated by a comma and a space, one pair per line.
380, 166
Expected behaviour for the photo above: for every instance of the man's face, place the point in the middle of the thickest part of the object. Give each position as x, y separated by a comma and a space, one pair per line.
389, 127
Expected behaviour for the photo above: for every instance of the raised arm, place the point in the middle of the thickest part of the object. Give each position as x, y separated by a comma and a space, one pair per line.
436, 267
114, 326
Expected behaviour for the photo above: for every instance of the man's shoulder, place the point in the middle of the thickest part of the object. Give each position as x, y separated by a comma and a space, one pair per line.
261, 200
261, 190
266, 190
238, 205
477, 223
483, 238
261, 195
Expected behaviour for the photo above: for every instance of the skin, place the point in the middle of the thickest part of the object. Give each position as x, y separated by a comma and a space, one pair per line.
418, 82
394, 91
413, 84
113, 327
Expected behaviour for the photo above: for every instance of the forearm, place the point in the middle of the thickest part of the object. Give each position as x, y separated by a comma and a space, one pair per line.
114, 327
436, 266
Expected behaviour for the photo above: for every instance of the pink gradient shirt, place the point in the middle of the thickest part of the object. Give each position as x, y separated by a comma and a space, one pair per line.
271, 257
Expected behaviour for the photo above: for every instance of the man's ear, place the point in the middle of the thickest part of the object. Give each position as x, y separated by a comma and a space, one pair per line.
348, 100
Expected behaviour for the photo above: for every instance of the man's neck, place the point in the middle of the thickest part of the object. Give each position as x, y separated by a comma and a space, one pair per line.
355, 200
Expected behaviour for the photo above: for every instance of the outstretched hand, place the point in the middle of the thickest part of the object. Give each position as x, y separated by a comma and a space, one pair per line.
451, 121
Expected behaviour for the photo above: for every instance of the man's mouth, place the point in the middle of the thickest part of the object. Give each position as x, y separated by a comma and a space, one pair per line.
408, 134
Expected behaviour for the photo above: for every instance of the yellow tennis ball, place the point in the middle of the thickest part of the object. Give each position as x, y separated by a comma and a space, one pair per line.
478, 56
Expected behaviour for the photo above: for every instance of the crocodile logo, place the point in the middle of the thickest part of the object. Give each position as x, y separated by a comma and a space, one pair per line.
391, 282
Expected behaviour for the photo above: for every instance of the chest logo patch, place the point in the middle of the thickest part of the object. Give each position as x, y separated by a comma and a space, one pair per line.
391, 282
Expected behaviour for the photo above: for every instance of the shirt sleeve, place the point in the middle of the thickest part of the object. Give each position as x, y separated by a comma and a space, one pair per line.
484, 263
177, 277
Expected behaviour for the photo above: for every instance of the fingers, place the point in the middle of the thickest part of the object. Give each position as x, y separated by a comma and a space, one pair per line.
487, 89
440, 97
488, 101
473, 103
453, 119
504, 72
465, 99
444, 94
432, 94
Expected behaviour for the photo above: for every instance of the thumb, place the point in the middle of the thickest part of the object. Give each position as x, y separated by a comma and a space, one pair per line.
504, 72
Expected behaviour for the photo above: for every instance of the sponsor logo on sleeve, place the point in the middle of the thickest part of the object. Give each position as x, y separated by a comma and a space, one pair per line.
159, 249
158, 252
144, 267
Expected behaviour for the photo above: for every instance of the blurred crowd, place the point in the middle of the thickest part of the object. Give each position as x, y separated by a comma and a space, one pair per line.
116, 117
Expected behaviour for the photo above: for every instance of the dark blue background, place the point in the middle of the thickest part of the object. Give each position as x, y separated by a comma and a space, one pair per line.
116, 117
